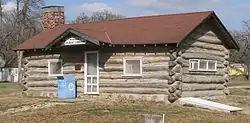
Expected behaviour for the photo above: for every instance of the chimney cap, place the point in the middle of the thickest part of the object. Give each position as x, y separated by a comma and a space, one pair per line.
53, 9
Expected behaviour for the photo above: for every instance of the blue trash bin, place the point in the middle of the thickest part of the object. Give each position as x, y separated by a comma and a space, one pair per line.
66, 86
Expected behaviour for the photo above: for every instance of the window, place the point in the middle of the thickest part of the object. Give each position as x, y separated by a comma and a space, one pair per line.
132, 66
202, 65
55, 68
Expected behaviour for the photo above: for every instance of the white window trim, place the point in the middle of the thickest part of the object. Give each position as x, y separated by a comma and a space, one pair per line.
53, 75
190, 69
85, 74
124, 66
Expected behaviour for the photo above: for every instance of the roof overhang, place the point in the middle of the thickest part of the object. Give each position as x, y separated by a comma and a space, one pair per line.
226, 35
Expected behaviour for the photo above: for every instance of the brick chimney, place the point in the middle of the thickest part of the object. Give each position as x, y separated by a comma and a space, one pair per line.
53, 16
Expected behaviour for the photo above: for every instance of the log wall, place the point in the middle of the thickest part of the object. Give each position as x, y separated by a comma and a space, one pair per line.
36, 77
204, 44
155, 82
160, 73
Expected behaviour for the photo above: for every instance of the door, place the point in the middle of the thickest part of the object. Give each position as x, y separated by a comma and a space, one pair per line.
91, 73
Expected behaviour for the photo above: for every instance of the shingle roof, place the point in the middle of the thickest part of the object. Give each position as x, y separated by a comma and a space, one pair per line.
161, 29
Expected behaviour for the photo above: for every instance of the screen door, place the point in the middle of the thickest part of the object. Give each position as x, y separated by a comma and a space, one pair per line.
91, 73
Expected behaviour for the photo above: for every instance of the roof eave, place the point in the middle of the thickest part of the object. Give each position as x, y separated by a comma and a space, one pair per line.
235, 45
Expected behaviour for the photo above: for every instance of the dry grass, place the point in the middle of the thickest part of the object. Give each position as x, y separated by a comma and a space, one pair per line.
117, 112
122, 113
11, 97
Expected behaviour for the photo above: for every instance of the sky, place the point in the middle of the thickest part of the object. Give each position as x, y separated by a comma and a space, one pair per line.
231, 12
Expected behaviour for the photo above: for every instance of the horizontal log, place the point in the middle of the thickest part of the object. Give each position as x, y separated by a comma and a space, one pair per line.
42, 89
202, 56
51, 89
133, 80
135, 85
219, 72
202, 79
43, 63
145, 75
37, 64
49, 83
109, 68
37, 71
202, 93
205, 45
206, 38
42, 84
155, 68
202, 87
147, 60
135, 90
204, 51
45, 72
49, 78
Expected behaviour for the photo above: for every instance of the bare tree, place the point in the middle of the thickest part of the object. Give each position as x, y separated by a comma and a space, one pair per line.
243, 39
18, 25
97, 16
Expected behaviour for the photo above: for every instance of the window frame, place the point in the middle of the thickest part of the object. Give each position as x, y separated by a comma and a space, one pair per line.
49, 66
207, 67
124, 66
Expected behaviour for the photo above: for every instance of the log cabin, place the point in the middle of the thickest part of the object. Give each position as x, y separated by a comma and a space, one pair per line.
153, 58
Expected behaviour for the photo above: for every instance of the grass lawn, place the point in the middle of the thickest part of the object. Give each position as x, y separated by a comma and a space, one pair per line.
239, 83
9, 88
101, 111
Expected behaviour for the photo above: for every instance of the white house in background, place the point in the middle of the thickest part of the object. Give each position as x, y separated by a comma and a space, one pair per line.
8, 74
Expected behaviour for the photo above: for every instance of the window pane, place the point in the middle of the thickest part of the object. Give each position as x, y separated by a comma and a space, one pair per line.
55, 67
203, 65
89, 80
133, 67
195, 66
94, 80
89, 88
91, 63
211, 65
94, 88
